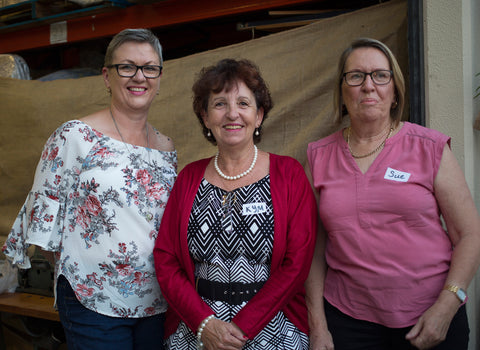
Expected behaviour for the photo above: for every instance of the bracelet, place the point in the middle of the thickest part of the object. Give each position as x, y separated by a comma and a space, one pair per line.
200, 331
460, 293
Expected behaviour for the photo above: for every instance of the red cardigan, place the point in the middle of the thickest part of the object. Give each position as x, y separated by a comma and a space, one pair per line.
295, 226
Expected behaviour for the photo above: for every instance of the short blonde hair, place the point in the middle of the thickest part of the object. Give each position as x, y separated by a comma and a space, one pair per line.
139, 35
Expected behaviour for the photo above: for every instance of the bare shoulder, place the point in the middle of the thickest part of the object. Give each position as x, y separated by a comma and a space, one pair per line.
162, 142
97, 121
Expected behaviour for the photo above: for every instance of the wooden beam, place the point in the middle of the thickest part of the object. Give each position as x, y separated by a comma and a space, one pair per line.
153, 15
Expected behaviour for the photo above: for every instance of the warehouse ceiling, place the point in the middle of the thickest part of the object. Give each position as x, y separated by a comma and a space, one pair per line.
188, 38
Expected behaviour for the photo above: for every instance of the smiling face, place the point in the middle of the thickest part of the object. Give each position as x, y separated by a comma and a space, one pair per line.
368, 101
137, 92
233, 116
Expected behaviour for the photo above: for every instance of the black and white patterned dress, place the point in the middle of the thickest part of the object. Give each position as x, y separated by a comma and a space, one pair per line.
230, 238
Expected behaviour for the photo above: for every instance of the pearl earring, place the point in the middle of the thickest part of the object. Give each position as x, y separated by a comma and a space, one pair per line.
257, 132
209, 133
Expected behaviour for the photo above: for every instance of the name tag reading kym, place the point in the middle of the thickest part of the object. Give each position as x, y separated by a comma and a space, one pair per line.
254, 208
396, 175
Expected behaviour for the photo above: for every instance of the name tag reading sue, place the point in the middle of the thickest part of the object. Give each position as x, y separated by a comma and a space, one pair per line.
254, 208
396, 175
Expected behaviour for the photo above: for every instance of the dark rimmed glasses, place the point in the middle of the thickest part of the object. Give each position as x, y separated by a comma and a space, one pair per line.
379, 77
129, 70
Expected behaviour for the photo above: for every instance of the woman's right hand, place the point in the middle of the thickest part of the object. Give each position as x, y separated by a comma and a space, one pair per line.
221, 335
321, 339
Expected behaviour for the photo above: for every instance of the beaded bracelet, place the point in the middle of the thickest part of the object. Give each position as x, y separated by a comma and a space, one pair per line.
200, 331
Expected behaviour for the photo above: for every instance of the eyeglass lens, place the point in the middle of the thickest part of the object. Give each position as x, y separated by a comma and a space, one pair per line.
379, 77
129, 70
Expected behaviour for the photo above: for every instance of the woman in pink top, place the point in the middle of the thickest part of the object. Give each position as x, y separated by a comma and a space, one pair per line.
386, 274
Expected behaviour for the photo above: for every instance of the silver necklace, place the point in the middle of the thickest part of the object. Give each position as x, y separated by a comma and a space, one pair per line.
236, 177
123, 140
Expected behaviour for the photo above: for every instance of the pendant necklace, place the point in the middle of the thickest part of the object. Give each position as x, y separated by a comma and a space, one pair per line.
236, 177
123, 140
369, 153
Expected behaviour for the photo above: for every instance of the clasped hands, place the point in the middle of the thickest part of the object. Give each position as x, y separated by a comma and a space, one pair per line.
220, 335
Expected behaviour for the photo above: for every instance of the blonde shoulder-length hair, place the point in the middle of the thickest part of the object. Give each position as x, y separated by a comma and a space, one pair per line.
398, 80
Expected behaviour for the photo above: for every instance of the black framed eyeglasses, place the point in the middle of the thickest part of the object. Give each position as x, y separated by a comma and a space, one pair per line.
379, 77
129, 70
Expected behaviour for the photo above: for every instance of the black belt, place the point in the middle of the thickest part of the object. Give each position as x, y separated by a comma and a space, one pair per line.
234, 293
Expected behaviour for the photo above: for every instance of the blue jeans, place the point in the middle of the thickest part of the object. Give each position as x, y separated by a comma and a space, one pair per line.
89, 330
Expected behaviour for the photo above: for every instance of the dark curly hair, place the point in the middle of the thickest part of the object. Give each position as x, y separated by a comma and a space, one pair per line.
224, 75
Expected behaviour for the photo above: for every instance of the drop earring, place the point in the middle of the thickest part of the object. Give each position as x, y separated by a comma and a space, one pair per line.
209, 133
395, 104
257, 133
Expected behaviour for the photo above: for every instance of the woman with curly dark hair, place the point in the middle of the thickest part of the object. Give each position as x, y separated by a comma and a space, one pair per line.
238, 234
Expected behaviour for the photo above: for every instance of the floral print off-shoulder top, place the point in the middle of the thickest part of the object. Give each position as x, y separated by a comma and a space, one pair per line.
97, 203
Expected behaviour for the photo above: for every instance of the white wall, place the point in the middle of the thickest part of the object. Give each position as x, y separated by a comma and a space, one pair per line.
452, 57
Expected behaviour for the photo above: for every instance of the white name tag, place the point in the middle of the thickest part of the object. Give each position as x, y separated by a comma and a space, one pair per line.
396, 175
254, 208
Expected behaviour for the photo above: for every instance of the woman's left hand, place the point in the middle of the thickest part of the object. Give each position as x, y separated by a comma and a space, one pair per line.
462, 221
431, 329
220, 335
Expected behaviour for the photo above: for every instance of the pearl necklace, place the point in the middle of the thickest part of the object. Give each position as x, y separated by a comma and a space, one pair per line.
236, 177
118, 130
369, 153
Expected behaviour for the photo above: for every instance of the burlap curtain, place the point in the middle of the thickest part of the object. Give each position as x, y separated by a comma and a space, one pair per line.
299, 66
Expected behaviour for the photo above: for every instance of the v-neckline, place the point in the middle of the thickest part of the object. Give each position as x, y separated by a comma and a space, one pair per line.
378, 154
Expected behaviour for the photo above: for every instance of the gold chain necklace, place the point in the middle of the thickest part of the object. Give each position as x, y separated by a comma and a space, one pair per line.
118, 130
369, 153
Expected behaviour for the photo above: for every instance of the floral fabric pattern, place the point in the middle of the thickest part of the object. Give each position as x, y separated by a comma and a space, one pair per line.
97, 203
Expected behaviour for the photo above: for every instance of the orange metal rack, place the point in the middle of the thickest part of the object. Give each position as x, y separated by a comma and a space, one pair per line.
149, 15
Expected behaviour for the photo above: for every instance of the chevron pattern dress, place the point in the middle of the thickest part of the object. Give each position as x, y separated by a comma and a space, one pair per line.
230, 238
